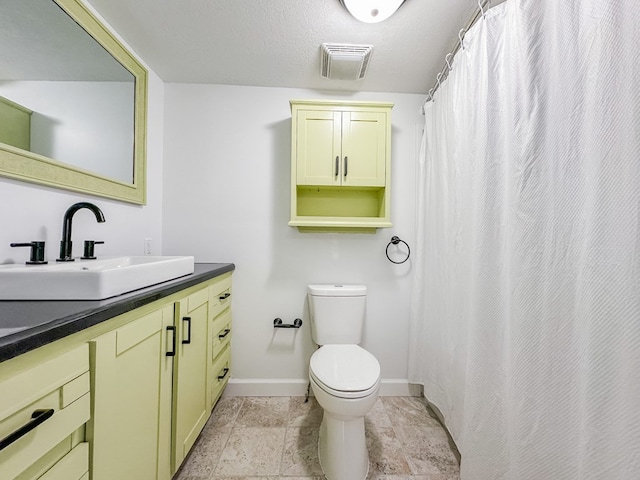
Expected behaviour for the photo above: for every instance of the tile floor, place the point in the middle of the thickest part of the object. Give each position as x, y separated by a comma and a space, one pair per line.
260, 438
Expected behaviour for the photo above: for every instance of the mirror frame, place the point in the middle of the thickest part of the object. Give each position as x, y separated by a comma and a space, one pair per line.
23, 165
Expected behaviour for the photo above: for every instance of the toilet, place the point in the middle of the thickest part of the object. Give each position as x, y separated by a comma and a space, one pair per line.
345, 378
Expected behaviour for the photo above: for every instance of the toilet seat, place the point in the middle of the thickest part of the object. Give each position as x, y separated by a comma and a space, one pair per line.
343, 394
345, 371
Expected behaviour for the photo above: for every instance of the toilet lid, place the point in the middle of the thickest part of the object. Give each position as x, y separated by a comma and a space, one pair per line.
345, 368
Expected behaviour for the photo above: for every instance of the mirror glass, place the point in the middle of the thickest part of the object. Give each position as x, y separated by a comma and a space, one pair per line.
72, 101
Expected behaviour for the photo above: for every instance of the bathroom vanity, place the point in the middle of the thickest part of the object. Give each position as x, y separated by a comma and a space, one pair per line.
121, 386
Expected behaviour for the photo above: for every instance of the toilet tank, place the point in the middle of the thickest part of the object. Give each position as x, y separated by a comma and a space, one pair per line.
337, 313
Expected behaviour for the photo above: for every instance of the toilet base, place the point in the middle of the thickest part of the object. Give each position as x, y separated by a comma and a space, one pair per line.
342, 448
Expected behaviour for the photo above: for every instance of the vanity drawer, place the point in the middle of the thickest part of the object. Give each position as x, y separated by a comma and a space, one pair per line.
52, 398
73, 466
220, 296
222, 372
221, 331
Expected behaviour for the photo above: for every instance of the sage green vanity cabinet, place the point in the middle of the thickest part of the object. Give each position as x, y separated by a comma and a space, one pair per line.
130, 395
152, 383
340, 165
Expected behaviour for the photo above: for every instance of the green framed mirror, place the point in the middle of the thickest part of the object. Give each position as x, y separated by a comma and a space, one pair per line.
73, 102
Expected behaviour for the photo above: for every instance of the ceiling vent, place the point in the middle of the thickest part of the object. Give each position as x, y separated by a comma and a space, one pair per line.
344, 62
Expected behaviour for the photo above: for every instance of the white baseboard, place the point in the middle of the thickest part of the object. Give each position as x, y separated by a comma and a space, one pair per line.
399, 388
298, 388
254, 387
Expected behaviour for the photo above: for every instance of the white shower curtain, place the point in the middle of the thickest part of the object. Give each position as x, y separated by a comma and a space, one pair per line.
525, 328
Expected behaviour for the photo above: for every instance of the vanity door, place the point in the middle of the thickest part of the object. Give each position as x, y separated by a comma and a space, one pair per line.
130, 432
191, 409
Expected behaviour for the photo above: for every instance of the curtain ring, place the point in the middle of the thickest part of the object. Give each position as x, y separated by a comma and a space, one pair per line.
461, 37
481, 7
446, 59
396, 240
438, 79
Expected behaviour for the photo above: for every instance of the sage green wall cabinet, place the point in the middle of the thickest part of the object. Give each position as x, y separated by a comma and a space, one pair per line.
340, 165
131, 427
52, 394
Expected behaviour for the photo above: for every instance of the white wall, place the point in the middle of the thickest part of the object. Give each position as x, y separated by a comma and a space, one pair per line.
226, 199
31, 212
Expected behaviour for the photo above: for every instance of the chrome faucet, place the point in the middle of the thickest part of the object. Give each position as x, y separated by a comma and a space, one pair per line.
65, 244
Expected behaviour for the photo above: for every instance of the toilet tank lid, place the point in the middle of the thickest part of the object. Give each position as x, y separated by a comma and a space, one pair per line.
337, 290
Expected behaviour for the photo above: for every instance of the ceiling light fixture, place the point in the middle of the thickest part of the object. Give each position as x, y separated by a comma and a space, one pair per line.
372, 11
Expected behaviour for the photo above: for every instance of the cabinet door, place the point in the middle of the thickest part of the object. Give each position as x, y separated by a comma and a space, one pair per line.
341, 148
318, 147
364, 149
131, 429
191, 409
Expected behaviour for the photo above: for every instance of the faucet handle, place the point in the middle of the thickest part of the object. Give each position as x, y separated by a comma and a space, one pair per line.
37, 252
89, 249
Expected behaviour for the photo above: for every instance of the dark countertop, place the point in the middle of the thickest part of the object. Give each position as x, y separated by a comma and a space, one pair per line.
58, 319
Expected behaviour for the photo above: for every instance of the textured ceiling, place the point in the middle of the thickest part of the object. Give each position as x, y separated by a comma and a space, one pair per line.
276, 43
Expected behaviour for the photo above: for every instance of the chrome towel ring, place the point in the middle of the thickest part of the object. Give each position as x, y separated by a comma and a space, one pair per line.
395, 241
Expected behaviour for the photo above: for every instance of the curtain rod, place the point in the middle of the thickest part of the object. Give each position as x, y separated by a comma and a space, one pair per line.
444, 72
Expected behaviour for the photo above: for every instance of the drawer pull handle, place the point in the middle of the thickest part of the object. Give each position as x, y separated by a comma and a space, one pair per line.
224, 374
337, 163
188, 339
38, 416
172, 329
226, 332
346, 166
225, 296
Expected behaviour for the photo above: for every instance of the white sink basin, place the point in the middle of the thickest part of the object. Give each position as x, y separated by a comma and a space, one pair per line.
89, 279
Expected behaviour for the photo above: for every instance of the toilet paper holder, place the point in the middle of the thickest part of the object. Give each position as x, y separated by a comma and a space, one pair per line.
277, 323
